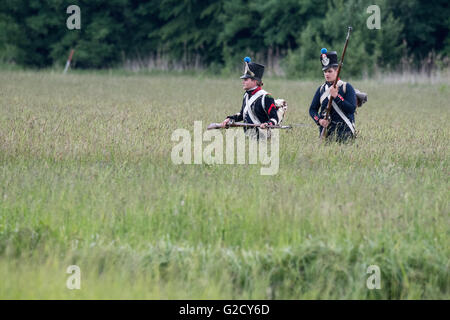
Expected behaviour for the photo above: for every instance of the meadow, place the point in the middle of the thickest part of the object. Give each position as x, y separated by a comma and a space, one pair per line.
86, 179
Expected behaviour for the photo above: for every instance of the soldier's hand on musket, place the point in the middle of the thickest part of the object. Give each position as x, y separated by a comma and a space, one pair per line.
263, 125
226, 122
334, 92
324, 123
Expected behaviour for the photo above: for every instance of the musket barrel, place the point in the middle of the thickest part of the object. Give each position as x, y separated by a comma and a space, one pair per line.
241, 124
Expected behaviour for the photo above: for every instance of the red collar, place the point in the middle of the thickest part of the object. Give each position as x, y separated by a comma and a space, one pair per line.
256, 90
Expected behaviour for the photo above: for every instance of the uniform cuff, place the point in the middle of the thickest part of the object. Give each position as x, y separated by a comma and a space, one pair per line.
316, 120
339, 99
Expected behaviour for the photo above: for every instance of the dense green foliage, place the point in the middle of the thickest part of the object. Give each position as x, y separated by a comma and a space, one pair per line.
217, 34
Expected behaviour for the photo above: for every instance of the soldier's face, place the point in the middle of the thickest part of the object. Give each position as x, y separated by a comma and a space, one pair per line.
330, 74
248, 83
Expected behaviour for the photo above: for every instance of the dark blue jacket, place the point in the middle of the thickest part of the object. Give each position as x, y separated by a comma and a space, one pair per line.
266, 113
346, 101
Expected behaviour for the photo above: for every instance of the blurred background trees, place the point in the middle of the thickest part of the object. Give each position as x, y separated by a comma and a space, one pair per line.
284, 35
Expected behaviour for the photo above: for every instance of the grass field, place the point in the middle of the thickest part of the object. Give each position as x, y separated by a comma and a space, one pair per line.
86, 179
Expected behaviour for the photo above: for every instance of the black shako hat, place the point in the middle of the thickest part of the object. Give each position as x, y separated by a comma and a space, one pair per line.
328, 59
252, 70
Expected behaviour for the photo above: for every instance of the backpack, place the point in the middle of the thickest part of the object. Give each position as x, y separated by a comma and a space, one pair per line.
282, 107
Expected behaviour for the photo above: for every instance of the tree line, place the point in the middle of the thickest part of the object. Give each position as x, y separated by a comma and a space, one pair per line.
286, 35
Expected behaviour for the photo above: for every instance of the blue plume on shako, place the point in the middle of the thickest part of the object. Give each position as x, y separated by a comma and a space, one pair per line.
247, 59
324, 50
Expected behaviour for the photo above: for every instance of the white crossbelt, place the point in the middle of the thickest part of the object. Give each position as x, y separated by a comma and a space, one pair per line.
325, 95
255, 132
248, 102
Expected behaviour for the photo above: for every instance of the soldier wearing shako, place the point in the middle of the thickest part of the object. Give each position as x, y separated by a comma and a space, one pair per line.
258, 106
342, 125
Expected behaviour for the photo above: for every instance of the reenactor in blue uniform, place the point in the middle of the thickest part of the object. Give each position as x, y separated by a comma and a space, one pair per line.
258, 106
342, 125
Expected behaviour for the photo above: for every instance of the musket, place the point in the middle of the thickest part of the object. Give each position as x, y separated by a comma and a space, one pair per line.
241, 124
324, 132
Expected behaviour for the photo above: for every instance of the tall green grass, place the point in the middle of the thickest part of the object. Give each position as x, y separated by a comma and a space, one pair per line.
86, 178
